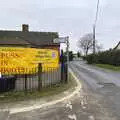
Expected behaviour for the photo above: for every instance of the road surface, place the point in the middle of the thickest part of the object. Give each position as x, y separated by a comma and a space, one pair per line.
98, 99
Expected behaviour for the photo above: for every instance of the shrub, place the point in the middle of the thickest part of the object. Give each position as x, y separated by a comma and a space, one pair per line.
111, 57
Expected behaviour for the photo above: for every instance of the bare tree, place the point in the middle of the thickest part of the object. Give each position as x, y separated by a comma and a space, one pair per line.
86, 43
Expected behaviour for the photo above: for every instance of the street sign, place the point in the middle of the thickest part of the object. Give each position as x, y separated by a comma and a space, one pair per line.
60, 40
66, 41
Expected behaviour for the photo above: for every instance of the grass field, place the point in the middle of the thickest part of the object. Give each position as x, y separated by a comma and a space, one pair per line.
110, 67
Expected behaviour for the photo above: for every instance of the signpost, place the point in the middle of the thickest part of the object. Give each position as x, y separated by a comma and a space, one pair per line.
63, 40
66, 41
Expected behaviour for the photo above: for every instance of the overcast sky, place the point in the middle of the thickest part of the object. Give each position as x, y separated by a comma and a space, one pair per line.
73, 18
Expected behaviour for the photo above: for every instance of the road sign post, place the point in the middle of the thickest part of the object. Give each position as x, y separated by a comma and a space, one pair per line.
66, 41
67, 50
61, 40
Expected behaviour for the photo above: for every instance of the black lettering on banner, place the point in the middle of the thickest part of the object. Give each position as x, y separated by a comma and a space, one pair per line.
3, 63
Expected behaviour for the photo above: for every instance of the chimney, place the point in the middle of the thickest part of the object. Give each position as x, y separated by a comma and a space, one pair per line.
25, 27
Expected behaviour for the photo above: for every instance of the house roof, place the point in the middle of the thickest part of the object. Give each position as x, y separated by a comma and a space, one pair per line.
13, 41
25, 38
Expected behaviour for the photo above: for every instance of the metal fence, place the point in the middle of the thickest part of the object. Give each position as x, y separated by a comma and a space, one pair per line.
29, 82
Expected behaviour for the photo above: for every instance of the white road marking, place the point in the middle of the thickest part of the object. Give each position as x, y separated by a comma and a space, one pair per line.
91, 117
72, 117
82, 103
69, 105
37, 106
84, 107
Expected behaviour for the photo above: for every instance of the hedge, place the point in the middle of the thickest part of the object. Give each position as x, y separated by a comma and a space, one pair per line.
111, 57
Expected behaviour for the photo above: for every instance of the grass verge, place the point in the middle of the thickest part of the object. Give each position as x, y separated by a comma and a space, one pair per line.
45, 92
110, 67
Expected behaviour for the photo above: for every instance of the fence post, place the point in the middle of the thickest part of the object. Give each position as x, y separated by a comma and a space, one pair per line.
66, 73
25, 82
39, 76
62, 72
62, 66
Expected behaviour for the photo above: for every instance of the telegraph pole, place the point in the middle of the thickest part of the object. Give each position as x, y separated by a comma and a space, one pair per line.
94, 44
94, 28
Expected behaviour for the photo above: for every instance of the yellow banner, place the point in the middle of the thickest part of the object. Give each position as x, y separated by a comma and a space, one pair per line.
14, 60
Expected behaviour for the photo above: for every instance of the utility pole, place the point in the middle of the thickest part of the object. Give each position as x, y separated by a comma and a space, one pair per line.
94, 44
94, 28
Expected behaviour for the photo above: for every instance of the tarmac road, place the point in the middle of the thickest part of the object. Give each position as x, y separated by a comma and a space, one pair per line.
98, 99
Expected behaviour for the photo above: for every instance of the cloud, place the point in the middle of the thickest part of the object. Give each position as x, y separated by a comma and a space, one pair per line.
68, 17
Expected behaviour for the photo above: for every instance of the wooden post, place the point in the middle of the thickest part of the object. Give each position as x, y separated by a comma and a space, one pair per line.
39, 76
25, 82
66, 73
62, 66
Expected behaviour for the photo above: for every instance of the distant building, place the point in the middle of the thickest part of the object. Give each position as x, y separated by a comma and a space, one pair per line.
26, 38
